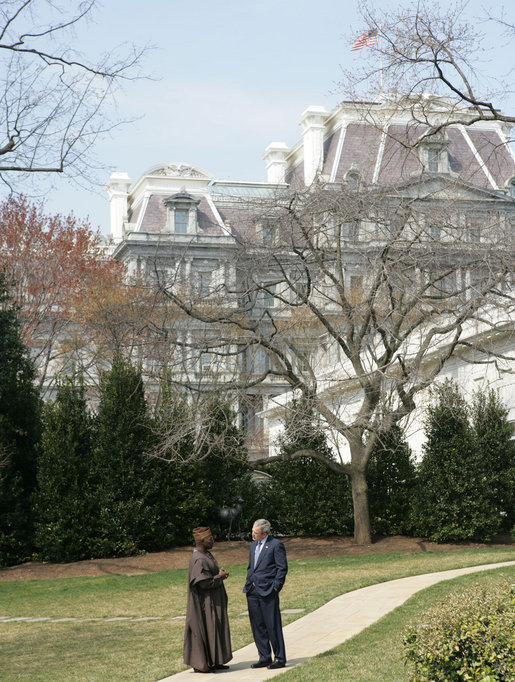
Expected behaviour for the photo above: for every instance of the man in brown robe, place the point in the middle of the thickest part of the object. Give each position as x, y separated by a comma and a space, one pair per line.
207, 640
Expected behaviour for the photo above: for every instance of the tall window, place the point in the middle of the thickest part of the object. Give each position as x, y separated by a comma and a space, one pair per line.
182, 212
261, 361
205, 361
474, 225
268, 233
256, 360
181, 220
475, 234
268, 296
204, 284
433, 160
350, 231
356, 287
302, 361
434, 232
299, 289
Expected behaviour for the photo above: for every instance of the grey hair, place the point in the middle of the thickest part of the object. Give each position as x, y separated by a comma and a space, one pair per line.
264, 525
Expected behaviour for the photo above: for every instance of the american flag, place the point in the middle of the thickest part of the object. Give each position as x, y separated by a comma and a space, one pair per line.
366, 39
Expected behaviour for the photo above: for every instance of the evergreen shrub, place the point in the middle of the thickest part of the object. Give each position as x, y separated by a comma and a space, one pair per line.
493, 441
122, 477
469, 637
225, 466
178, 496
63, 500
306, 496
189, 485
20, 425
453, 501
391, 479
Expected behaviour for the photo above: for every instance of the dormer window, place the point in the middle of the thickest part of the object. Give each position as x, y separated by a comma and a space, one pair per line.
266, 231
181, 220
511, 187
268, 234
433, 160
353, 178
182, 213
433, 152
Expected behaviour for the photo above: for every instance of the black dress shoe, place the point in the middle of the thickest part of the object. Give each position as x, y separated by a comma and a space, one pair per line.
276, 664
221, 667
262, 664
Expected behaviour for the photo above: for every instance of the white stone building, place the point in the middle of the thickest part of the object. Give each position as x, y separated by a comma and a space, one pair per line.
177, 224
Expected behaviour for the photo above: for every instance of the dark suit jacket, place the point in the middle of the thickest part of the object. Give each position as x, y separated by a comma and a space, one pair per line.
271, 569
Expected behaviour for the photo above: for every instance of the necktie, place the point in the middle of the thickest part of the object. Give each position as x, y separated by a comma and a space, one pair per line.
257, 552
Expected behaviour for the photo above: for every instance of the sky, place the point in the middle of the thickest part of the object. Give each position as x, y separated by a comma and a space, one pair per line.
227, 78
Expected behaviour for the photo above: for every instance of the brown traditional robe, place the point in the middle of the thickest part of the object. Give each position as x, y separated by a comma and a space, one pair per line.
207, 640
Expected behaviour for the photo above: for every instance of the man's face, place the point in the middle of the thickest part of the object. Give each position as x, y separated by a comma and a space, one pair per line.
257, 533
208, 542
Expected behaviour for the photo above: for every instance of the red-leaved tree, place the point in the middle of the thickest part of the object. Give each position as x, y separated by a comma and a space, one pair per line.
52, 262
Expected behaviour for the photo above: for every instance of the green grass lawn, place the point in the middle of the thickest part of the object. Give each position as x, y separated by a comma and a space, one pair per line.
376, 654
151, 649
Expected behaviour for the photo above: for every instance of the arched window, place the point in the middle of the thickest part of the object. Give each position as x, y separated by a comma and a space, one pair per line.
353, 178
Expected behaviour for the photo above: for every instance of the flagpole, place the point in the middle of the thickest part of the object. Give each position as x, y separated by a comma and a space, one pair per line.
379, 47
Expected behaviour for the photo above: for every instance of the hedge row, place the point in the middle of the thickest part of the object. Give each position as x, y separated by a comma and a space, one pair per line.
469, 637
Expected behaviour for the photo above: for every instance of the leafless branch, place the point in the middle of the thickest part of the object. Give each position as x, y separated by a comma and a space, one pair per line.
54, 104
425, 48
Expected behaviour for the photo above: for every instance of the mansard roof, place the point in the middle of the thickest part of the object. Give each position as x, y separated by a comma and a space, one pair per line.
380, 139
152, 217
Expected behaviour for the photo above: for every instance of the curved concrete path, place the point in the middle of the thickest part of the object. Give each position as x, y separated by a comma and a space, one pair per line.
331, 624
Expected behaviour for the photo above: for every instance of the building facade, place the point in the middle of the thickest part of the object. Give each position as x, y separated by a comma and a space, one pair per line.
247, 272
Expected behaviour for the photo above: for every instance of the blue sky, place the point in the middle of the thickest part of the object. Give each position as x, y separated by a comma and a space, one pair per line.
231, 76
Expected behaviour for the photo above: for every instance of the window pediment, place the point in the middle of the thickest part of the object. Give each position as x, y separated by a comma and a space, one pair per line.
182, 200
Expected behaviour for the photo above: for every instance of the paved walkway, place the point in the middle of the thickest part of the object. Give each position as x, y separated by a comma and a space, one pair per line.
330, 625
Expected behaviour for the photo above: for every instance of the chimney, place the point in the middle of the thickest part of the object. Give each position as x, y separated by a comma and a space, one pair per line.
313, 122
275, 158
118, 191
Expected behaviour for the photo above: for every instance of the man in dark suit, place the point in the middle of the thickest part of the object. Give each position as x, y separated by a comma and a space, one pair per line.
265, 577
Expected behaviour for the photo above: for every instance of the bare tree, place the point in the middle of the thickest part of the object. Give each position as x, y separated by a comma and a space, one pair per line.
351, 296
54, 101
426, 48
357, 297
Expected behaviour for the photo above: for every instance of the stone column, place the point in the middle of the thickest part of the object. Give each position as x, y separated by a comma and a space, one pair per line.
313, 126
275, 158
118, 191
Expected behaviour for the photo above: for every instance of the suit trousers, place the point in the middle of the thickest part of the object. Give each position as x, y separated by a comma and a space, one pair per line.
266, 624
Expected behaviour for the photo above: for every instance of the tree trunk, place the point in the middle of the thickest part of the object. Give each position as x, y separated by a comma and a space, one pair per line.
362, 535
